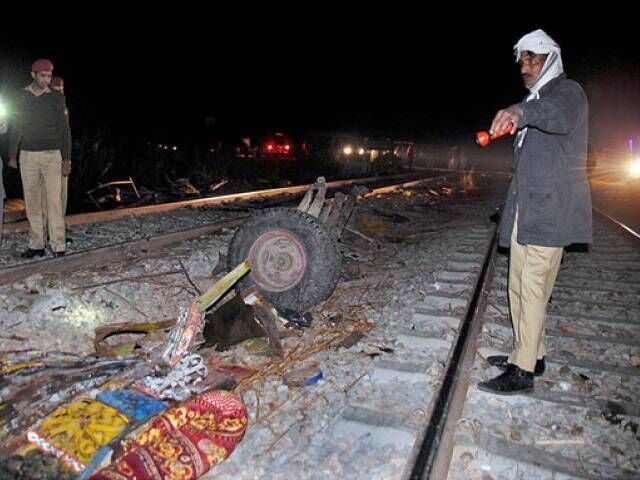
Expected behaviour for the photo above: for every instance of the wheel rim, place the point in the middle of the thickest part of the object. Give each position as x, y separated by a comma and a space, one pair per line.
278, 261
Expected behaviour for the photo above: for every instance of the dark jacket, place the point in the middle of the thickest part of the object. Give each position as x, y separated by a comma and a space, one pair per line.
549, 184
39, 123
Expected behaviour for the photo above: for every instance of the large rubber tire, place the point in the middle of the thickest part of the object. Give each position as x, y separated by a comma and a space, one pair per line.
295, 260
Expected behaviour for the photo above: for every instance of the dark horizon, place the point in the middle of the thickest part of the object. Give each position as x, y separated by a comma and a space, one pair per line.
397, 74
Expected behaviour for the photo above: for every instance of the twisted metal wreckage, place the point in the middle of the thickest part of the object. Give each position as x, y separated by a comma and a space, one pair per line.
113, 415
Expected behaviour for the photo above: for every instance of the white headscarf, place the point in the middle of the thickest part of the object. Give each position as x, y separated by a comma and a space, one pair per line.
541, 43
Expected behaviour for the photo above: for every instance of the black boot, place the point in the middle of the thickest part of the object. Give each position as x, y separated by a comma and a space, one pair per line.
500, 361
30, 253
512, 382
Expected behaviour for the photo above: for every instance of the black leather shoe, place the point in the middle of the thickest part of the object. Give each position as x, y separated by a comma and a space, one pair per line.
500, 361
30, 253
58, 254
512, 382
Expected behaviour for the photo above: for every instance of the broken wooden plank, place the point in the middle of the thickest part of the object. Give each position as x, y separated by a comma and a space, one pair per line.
223, 285
266, 315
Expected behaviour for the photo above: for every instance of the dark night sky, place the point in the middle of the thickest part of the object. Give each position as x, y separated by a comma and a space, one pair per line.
411, 73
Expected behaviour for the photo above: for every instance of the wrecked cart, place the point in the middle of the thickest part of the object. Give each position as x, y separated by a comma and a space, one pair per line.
294, 255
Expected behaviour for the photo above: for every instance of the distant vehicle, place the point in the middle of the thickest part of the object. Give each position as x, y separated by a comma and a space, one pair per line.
277, 145
244, 148
349, 150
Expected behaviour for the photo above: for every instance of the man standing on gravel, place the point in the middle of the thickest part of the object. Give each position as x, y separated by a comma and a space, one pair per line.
57, 84
41, 134
548, 205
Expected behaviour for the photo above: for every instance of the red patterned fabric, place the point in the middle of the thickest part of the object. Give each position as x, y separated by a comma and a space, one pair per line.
184, 442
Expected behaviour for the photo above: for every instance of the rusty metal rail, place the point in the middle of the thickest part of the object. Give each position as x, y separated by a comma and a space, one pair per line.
286, 193
151, 245
436, 434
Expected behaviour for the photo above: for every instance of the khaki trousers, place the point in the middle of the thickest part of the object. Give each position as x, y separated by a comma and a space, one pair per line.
65, 193
38, 169
64, 190
532, 273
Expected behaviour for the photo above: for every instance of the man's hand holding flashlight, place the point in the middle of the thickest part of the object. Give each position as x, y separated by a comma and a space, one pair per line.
511, 115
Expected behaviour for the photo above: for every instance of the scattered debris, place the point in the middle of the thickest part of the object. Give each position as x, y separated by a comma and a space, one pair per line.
298, 319
566, 441
221, 266
385, 349
633, 360
302, 376
258, 346
34, 464
351, 340
182, 187
191, 318
266, 315
362, 235
567, 329
230, 324
112, 194
179, 383
223, 376
215, 186
125, 348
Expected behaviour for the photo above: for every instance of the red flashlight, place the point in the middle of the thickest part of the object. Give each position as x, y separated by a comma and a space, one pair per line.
483, 138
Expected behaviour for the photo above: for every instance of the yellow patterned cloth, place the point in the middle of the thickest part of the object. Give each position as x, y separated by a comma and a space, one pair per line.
75, 432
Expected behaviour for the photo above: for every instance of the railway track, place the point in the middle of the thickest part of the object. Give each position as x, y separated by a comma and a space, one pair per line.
580, 422
150, 245
281, 195
582, 419
372, 415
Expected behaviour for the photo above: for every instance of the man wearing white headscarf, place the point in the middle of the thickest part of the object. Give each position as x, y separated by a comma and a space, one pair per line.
548, 205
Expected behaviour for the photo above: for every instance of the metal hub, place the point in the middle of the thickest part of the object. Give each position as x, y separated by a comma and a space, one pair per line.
278, 261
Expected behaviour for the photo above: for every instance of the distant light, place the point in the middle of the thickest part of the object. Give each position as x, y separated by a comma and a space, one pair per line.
3, 110
175, 148
269, 147
634, 168
286, 147
347, 150
361, 151
159, 145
